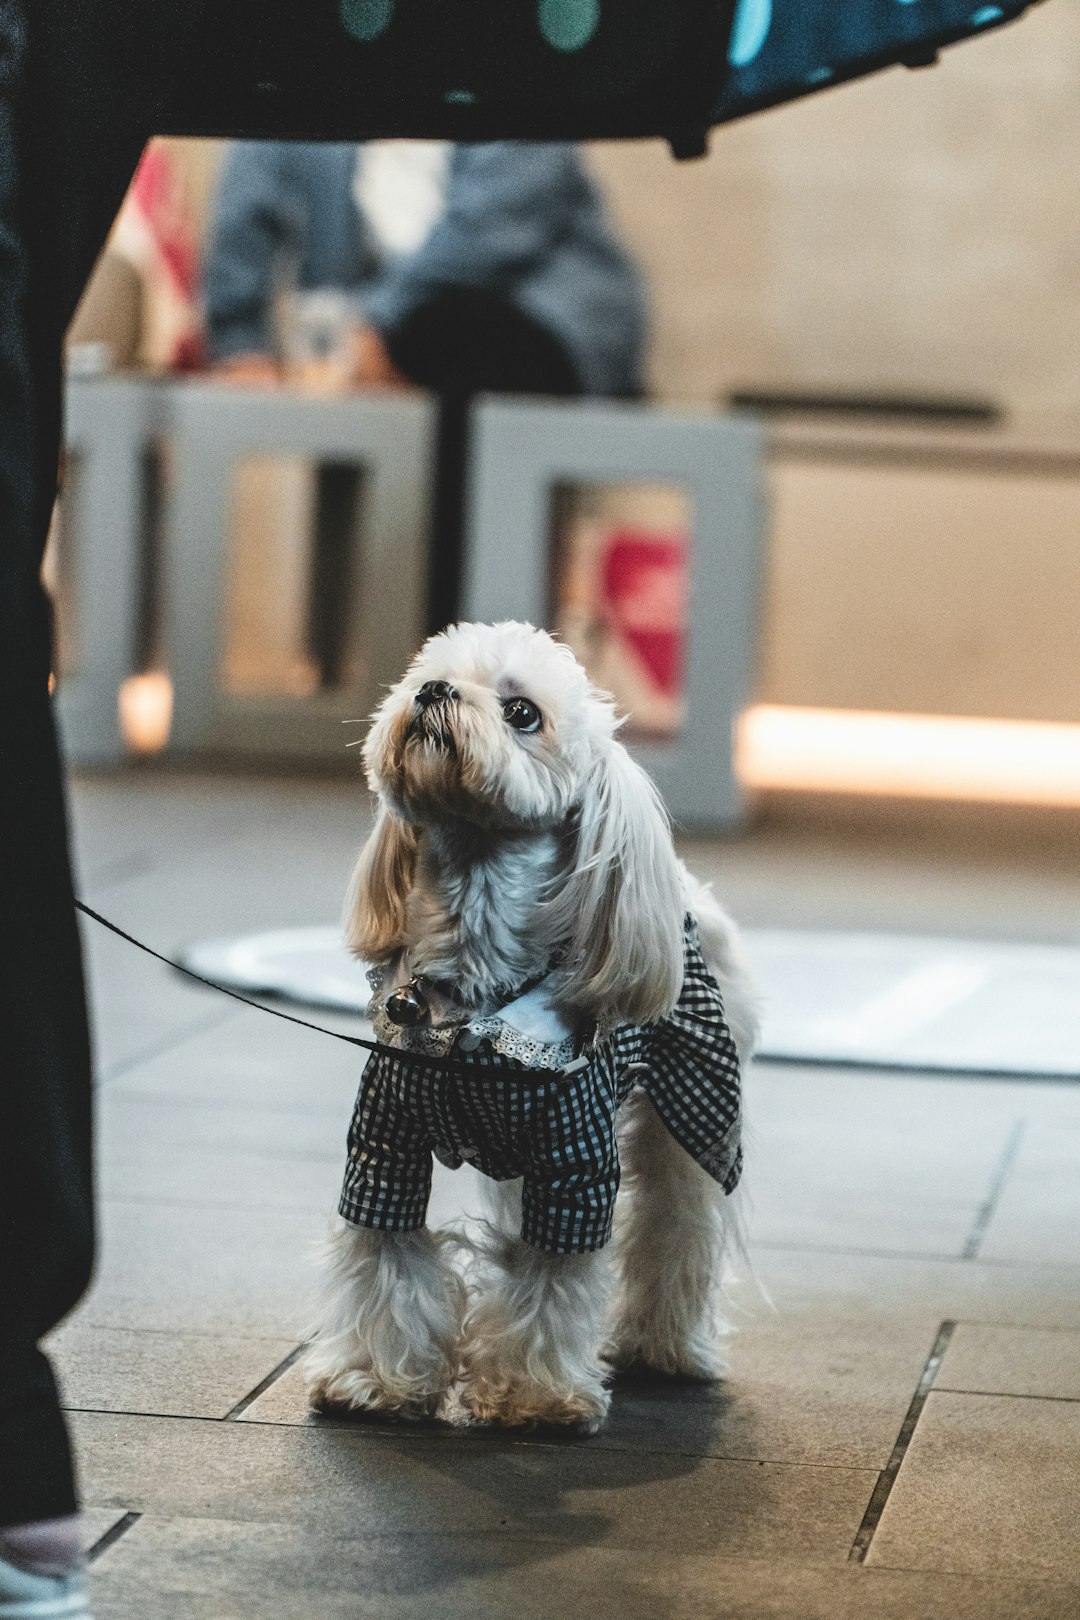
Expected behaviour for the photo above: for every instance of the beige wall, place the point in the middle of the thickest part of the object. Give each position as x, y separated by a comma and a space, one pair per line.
930, 591
915, 230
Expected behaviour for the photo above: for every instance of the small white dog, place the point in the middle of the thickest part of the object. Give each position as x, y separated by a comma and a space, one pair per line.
542, 960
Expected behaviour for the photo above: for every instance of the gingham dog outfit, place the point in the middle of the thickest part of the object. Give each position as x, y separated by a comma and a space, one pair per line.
512, 1112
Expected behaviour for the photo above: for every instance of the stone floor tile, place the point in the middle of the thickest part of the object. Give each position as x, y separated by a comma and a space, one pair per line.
125, 823
154, 818
198, 1569
859, 1288
182, 1375
900, 1164
138, 1003
218, 1155
137, 1006
990, 1485
338, 1478
223, 1181
184, 1269
132, 1124
792, 873
1037, 1217
252, 1062
987, 1359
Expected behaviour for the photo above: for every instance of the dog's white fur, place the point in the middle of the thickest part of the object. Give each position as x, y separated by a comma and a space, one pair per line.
493, 851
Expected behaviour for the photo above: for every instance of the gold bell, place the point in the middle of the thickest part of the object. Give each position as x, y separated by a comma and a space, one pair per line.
406, 1006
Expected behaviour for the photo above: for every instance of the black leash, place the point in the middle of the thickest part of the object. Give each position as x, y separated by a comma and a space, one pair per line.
461, 1065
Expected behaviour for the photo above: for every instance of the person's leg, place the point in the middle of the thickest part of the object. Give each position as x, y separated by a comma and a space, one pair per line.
337, 495
463, 343
80, 88
45, 1213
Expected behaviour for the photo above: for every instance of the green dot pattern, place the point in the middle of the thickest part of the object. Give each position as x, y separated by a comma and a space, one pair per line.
567, 25
365, 19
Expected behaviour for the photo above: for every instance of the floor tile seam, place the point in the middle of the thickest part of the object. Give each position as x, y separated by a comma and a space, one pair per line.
156, 1417
456, 1440
1004, 1395
183, 1032
1017, 1327
111, 1536
461, 1440
171, 1333
266, 1383
1022, 1263
215, 1105
211, 1151
762, 1563
939, 1256
996, 1579
931, 1073
250, 1206
211, 1334
998, 1182
512, 1534
879, 1497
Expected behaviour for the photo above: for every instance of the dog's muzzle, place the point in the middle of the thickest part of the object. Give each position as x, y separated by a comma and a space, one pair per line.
430, 718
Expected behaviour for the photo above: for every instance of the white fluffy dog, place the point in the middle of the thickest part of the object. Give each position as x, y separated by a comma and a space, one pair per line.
523, 903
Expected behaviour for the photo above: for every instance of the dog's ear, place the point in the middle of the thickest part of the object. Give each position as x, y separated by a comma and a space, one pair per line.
624, 897
375, 906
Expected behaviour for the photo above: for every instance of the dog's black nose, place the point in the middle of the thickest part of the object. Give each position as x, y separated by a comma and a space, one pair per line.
435, 692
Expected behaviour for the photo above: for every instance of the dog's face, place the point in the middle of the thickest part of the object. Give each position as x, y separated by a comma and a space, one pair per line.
496, 725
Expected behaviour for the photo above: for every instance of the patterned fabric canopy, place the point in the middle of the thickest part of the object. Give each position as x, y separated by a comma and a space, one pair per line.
780, 49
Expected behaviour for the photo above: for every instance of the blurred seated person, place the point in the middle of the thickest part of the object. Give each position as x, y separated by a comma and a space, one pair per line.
461, 269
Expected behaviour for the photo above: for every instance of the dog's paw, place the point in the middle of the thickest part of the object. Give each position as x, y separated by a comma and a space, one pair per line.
353, 1389
521, 1406
696, 1357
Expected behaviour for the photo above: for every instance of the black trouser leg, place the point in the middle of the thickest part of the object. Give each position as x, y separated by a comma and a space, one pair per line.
337, 495
463, 343
81, 86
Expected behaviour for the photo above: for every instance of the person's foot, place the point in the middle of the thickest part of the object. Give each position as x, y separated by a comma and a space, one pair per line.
41, 1570
26, 1596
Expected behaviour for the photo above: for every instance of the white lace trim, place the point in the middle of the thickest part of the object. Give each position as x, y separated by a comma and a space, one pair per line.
439, 1039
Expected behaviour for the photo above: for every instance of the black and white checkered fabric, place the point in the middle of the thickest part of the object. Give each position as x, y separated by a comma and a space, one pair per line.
556, 1133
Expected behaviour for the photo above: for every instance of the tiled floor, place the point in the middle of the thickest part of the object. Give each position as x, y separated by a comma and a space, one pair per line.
899, 1437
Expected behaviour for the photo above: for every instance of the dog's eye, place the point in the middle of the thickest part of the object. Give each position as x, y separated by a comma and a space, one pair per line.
521, 714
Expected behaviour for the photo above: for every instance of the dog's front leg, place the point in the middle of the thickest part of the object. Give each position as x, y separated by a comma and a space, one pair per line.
533, 1335
388, 1334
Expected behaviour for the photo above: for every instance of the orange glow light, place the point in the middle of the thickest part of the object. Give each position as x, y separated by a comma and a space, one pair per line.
909, 755
146, 712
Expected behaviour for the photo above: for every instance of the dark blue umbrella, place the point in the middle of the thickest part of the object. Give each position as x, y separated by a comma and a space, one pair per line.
548, 69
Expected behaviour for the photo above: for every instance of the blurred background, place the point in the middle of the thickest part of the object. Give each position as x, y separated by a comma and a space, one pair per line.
889, 277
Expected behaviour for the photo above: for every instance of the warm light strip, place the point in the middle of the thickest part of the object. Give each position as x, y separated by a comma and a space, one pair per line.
927, 756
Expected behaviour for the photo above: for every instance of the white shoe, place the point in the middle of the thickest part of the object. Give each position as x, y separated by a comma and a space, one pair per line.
24, 1596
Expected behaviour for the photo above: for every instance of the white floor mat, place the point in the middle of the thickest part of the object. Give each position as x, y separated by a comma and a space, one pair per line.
891, 1000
